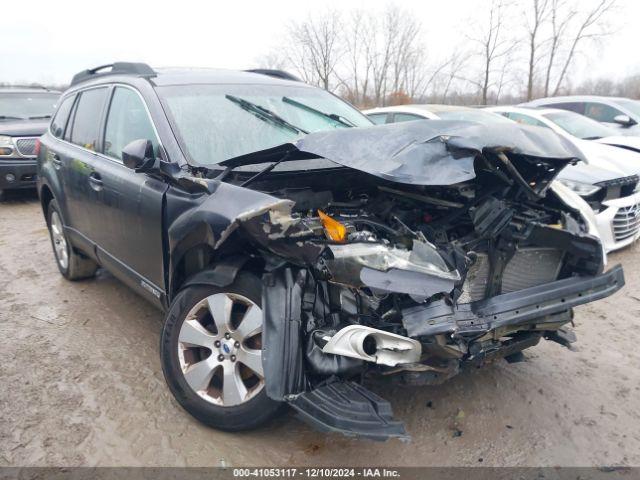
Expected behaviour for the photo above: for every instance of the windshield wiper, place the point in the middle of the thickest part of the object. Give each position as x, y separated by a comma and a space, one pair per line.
592, 138
37, 117
11, 117
331, 116
264, 114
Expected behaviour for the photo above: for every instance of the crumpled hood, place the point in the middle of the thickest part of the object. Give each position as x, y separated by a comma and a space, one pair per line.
429, 152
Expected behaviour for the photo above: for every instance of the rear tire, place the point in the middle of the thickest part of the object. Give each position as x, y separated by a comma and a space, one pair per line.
203, 354
72, 264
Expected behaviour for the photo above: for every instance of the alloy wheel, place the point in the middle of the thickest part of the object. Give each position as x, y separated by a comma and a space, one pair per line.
60, 246
220, 349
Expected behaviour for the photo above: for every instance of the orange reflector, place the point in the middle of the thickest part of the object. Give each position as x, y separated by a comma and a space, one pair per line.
334, 229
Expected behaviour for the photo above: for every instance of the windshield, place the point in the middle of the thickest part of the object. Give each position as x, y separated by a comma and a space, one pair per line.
27, 105
478, 116
219, 122
632, 105
579, 126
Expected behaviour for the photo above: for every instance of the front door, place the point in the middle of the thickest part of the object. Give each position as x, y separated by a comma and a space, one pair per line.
129, 225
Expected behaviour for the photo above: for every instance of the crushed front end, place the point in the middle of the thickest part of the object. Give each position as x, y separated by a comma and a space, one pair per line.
369, 276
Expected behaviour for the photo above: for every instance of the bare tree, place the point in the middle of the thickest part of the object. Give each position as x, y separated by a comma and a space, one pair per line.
453, 65
559, 23
375, 58
274, 60
535, 20
493, 46
357, 32
588, 28
407, 53
316, 47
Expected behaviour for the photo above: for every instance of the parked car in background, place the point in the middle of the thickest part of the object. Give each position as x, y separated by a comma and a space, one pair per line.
407, 113
620, 113
24, 116
609, 181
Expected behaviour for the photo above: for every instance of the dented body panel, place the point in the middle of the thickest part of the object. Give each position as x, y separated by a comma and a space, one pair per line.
406, 251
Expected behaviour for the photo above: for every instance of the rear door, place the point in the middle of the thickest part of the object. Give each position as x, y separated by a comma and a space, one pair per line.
81, 181
57, 154
129, 231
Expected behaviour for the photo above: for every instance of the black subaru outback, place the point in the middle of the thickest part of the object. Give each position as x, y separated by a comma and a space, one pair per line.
24, 116
299, 251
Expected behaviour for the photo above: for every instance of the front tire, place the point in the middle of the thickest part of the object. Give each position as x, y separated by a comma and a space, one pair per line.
72, 265
211, 353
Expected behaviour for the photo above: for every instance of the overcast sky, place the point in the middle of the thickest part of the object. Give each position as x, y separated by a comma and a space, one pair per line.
49, 41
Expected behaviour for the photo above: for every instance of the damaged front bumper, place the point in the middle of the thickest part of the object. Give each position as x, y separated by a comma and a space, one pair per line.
341, 406
511, 308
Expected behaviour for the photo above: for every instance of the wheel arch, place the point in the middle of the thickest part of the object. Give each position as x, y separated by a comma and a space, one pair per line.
46, 195
200, 263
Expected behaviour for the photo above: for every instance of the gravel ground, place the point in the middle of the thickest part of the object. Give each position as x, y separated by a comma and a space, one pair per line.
81, 384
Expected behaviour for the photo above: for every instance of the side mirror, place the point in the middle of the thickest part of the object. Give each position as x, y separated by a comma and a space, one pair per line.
138, 155
624, 120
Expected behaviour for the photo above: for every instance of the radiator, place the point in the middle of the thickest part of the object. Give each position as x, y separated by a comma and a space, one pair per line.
529, 267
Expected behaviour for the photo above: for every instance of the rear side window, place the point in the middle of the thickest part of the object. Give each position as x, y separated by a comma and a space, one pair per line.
378, 118
59, 121
127, 121
86, 121
406, 117
601, 112
577, 107
526, 119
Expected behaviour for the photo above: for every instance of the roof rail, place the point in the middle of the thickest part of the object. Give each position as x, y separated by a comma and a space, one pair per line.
275, 73
117, 68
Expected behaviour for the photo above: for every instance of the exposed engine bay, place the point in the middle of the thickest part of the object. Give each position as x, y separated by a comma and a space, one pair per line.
370, 276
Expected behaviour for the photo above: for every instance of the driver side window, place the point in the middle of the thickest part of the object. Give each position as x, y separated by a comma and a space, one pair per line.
127, 121
525, 119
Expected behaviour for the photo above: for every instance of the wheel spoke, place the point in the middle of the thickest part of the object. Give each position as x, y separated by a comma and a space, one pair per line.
233, 390
251, 323
220, 308
251, 359
198, 375
193, 333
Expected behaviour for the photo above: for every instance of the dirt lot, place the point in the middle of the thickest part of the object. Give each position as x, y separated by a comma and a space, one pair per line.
81, 384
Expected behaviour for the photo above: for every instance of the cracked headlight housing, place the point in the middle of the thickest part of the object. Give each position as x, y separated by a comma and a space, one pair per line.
424, 259
582, 189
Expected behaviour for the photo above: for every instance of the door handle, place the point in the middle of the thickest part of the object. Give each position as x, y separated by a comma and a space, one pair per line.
95, 181
55, 159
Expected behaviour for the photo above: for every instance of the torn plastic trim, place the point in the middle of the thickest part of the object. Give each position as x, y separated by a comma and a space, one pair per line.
278, 211
511, 308
349, 409
282, 350
373, 345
